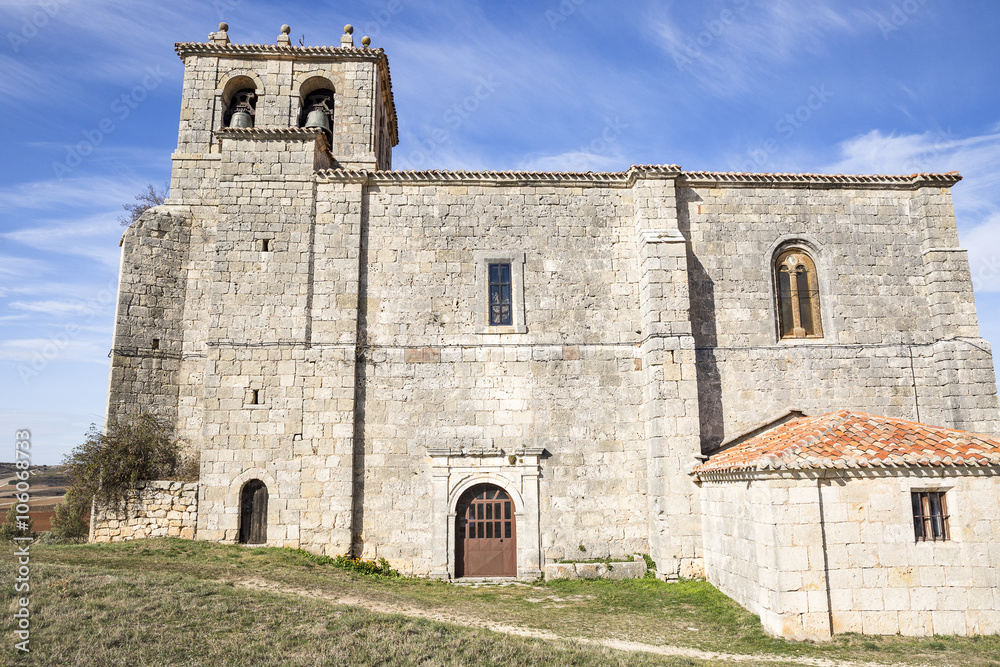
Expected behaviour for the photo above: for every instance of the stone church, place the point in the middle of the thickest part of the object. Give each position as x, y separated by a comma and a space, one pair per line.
772, 380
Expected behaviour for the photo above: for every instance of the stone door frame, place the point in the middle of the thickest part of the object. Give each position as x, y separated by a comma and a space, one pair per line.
455, 470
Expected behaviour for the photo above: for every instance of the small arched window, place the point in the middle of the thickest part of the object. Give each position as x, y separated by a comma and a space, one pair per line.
799, 314
317, 110
239, 101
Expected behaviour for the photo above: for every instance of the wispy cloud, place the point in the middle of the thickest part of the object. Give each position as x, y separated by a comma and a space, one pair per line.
983, 243
977, 158
977, 204
50, 307
91, 192
731, 46
574, 161
91, 237
91, 350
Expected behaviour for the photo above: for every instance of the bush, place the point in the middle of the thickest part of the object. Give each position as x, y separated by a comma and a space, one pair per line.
109, 464
71, 522
379, 568
9, 529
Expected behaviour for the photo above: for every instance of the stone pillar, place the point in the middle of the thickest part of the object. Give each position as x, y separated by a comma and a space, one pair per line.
670, 395
961, 391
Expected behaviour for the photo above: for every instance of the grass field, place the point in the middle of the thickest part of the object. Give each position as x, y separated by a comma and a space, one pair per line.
176, 602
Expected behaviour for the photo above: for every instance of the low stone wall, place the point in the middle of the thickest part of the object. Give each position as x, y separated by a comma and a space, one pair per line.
627, 570
155, 509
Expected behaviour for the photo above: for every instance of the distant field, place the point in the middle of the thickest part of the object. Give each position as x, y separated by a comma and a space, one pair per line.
48, 488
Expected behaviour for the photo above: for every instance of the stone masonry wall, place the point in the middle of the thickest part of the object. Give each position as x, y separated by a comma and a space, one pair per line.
884, 582
149, 332
888, 299
571, 383
155, 509
747, 527
804, 552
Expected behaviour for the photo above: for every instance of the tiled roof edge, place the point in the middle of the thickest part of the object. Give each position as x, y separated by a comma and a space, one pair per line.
462, 177
204, 48
847, 180
630, 176
790, 457
743, 474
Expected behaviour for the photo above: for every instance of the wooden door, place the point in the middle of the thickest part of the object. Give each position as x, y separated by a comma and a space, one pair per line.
253, 513
485, 541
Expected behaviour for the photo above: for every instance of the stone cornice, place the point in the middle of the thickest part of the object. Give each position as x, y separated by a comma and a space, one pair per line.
726, 476
626, 179
185, 49
619, 179
861, 181
293, 133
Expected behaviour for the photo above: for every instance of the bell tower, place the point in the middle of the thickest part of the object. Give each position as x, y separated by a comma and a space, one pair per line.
332, 107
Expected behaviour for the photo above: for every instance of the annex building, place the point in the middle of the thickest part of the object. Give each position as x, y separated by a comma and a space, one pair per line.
772, 380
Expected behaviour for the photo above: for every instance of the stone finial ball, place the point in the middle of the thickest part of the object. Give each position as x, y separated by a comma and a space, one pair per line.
223, 27
366, 40
348, 29
285, 29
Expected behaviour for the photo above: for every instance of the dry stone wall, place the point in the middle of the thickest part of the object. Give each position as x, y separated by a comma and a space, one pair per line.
154, 509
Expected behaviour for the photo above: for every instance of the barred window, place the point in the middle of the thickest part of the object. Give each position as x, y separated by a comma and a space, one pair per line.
500, 295
930, 516
799, 313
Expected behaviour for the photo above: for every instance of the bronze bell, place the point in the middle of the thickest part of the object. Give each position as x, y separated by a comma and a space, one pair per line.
241, 119
317, 118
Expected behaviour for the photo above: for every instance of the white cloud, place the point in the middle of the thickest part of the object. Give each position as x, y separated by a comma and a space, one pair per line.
983, 242
579, 161
94, 238
40, 352
976, 198
20, 266
94, 192
51, 307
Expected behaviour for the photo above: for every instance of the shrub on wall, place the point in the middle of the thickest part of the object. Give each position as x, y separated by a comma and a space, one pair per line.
110, 463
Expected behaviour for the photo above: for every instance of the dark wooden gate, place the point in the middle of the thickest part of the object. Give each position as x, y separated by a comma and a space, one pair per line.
253, 513
485, 542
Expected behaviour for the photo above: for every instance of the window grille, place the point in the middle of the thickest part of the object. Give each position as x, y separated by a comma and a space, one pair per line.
930, 516
500, 295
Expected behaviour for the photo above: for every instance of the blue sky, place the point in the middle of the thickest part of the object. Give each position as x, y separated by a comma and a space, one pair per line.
90, 93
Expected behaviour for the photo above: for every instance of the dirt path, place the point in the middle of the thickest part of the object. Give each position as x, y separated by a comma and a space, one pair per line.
467, 621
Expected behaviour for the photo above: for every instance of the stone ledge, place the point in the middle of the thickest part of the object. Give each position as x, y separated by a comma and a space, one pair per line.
635, 569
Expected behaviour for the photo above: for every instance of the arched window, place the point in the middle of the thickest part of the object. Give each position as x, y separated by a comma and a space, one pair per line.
799, 314
239, 99
316, 96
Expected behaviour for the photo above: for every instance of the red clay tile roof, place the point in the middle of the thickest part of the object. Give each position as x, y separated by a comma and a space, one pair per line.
854, 440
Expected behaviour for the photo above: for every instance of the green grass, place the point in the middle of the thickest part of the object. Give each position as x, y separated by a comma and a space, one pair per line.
179, 602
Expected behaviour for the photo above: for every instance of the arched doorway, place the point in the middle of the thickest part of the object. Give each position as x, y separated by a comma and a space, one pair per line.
253, 513
485, 533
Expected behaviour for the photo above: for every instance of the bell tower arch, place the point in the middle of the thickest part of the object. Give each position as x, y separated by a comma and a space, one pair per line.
240, 92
